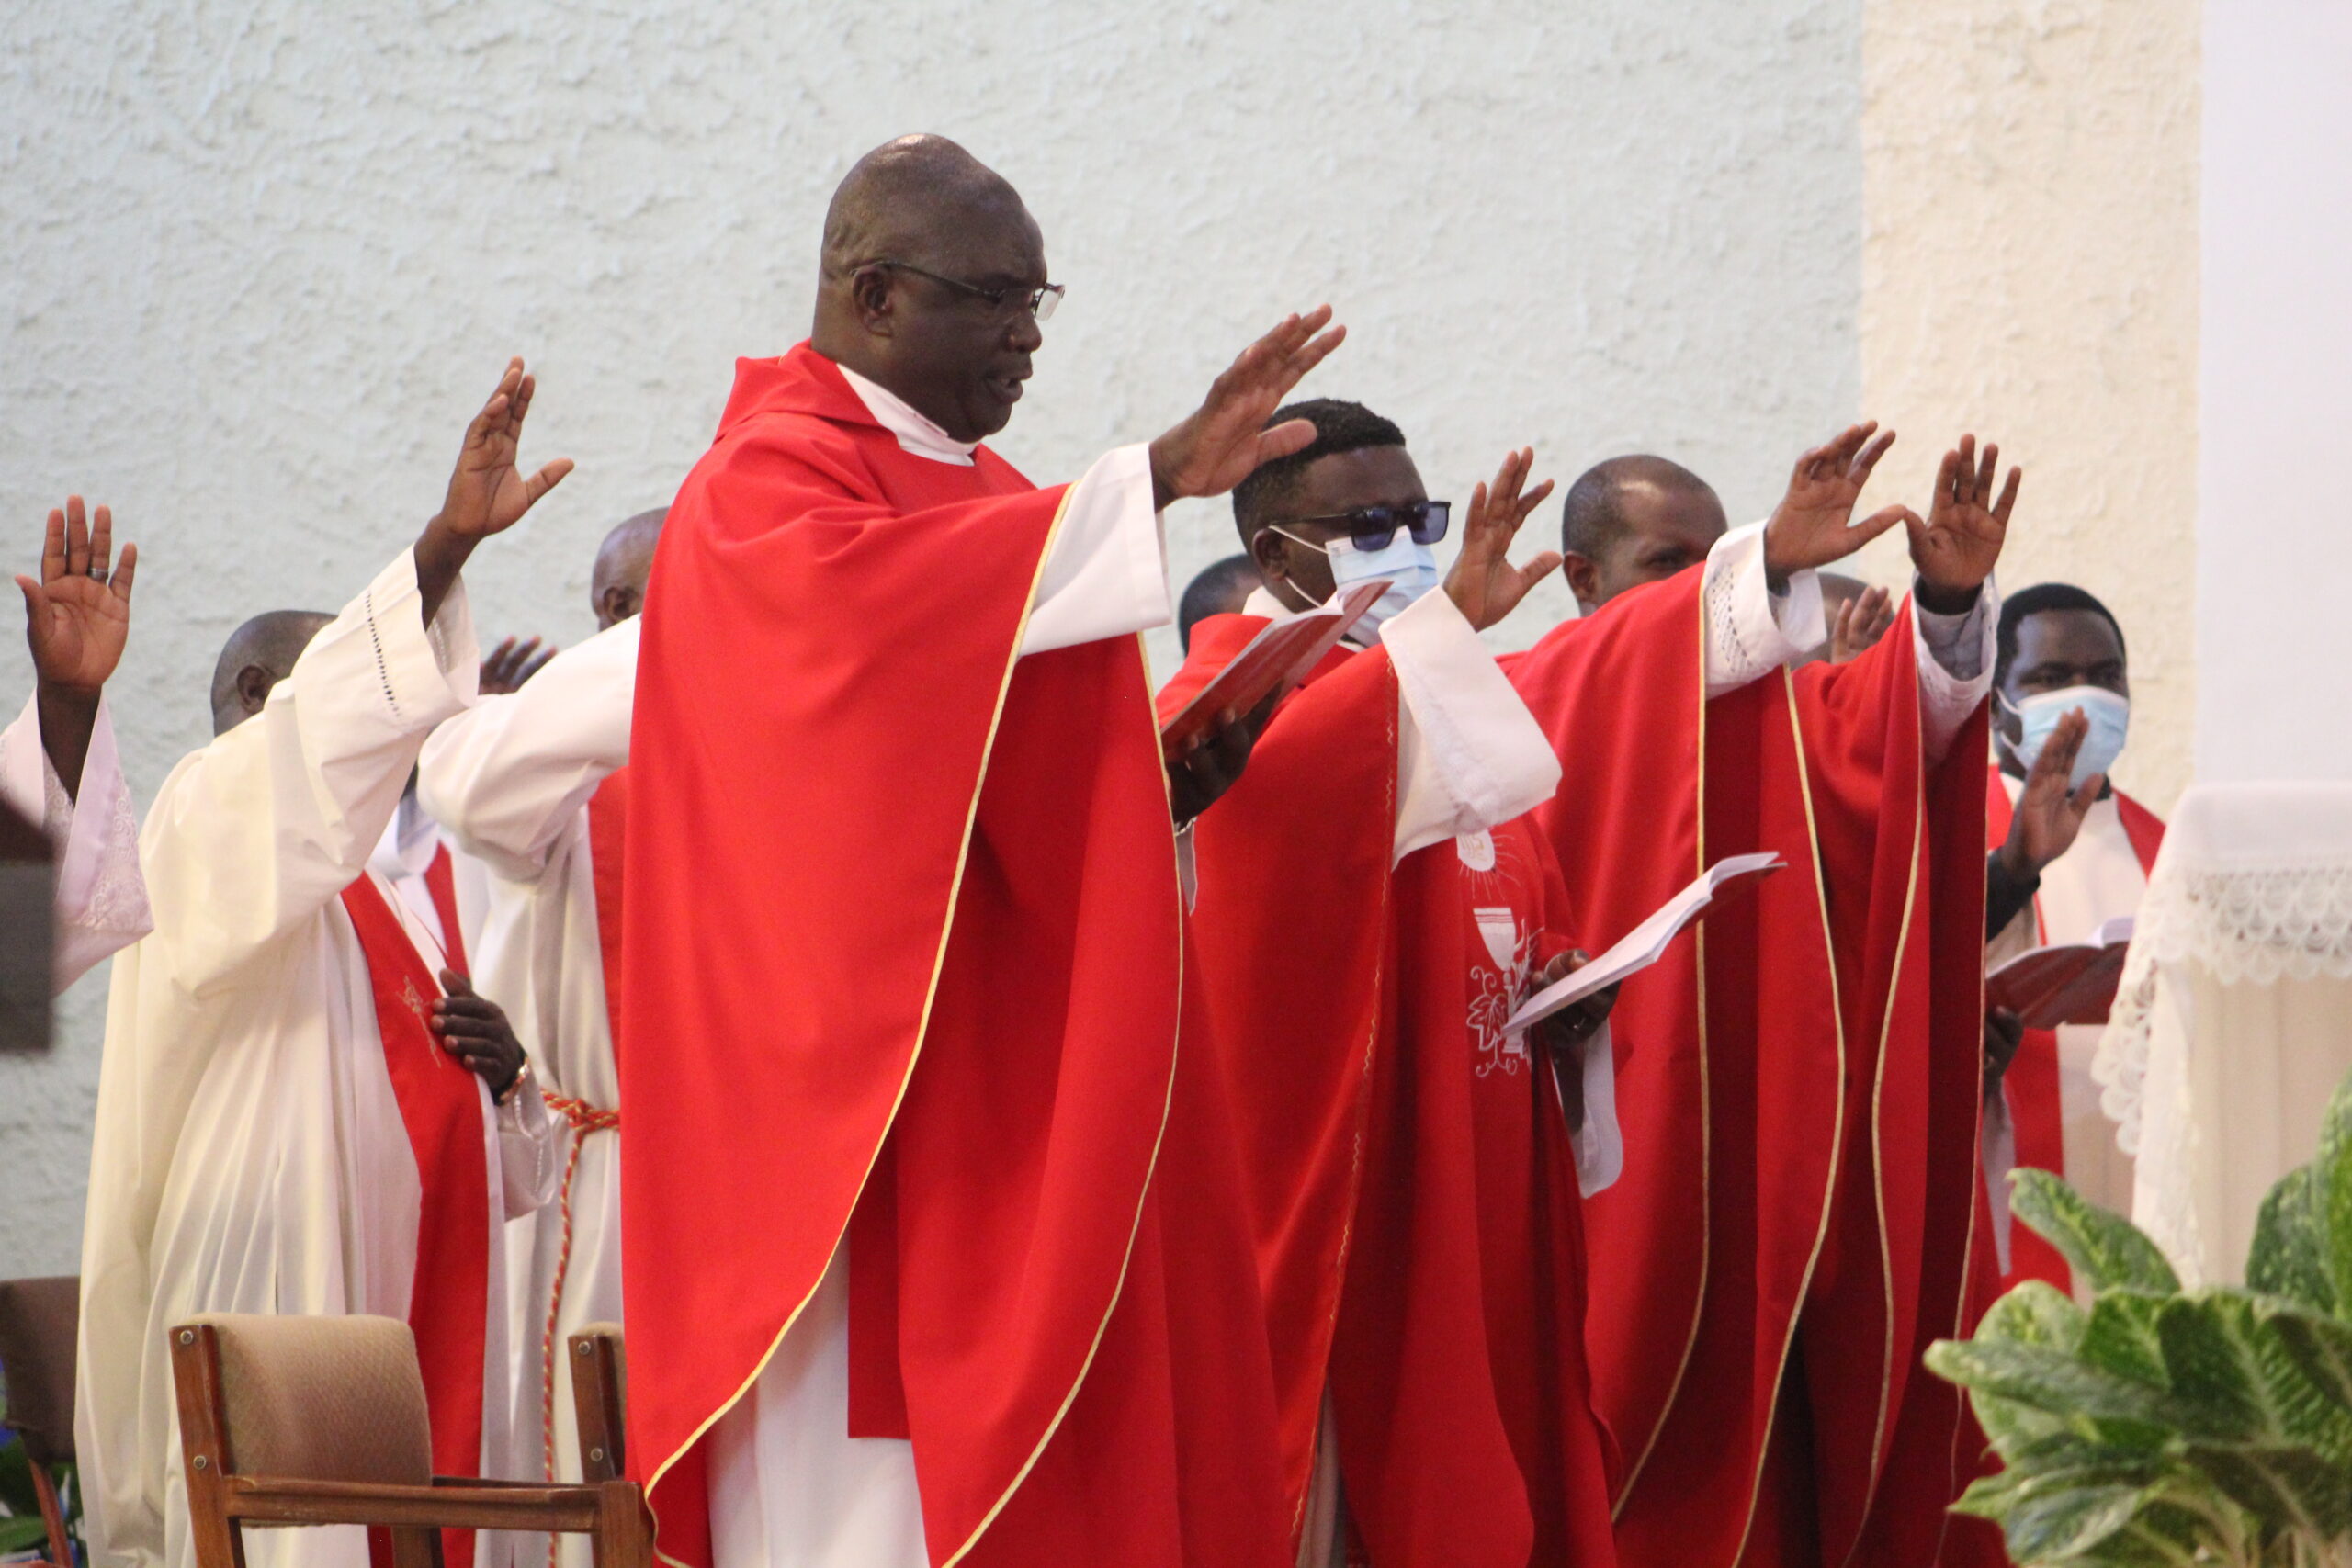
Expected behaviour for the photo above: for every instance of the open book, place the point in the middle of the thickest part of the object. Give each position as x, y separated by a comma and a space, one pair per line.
1278, 657
1647, 942
2070, 984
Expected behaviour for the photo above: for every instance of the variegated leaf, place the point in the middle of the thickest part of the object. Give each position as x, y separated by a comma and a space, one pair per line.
2051, 1380
2331, 1191
2235, 1380
2281, 1484
2105, 1250
2289, 1258
2120, 1336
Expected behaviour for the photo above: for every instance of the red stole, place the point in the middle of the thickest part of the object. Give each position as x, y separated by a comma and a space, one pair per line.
441, 1106
889, 887
2030, 1089
1798, 1088
1419, 1255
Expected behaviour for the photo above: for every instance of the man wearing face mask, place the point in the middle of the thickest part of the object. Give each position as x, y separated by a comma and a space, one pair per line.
1373, 904
2069, 853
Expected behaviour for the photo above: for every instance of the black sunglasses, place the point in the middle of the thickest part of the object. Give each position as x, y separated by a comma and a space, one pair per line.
1371, 528
1037, 301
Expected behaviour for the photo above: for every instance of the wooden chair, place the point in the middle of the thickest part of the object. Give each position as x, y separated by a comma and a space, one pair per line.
599, 1396
321, 1421
38, 1319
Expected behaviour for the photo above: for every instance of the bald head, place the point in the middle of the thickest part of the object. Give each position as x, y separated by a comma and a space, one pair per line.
1632, 520
929, 260
624, 563
256, 656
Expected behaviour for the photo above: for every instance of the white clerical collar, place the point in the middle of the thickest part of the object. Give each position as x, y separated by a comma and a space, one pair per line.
914, 430
1262, 604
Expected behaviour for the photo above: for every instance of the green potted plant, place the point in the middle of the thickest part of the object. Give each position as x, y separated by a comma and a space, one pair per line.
2163, 1427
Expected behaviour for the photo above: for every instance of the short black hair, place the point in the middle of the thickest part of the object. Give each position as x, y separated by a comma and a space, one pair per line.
1592, 519
1218, 590
1338, 427
2040, 599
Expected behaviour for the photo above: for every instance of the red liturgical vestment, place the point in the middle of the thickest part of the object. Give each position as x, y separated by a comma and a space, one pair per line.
1412, 1185
1799, 1090
903, 960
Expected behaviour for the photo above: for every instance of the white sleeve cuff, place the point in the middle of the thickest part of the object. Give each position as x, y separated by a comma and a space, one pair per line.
426, 674
1469, 755
1600, 1144
1106, 573
101, 899
1752, 631
1955, 658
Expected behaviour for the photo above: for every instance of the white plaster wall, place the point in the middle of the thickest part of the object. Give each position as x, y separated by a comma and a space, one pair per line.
263, 259
2029, 271
2274, 552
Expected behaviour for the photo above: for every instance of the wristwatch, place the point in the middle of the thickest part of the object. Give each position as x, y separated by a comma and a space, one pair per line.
522, 1076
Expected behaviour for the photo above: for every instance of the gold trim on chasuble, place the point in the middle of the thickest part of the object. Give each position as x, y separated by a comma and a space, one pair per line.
1879, 1433
922, 1028
1837, 1134
1706, 1107
1355, 1142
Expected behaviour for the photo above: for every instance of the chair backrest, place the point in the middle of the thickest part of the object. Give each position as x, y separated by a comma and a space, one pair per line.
599, 1399
37, 1324
313, 1398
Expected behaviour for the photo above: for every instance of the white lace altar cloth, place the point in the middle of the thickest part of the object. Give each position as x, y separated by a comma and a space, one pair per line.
2234, 1021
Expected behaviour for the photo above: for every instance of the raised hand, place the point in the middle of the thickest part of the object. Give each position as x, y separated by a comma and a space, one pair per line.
1812, 526
2048, 815
488, 494
1225, 439
1483, 584
474, 1030
1859, 623
1954, 549
511, 663
77, 618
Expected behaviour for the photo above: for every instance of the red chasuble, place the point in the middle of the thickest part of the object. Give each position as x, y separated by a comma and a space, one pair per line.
441, 1107
2030, 1089
1411, 1186
1798, 1089
902, 922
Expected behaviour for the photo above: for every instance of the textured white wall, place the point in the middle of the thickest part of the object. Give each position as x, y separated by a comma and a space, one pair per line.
263, 258
2029, 271
2273, 552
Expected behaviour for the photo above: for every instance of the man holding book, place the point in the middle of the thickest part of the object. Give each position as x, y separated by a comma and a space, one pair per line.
2070, 853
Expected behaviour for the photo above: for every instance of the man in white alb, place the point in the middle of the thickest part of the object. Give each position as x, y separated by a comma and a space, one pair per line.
301, 1108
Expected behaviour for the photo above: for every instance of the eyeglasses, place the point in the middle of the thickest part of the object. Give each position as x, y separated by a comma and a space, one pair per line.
1039, 302
1371, 528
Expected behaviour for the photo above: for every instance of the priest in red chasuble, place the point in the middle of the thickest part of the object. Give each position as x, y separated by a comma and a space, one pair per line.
1799, 1085
1373, 904
935, 1242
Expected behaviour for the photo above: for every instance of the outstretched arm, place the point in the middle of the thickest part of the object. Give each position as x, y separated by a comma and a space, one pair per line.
509, 773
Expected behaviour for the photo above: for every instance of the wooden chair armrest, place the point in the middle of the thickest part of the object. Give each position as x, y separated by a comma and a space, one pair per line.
264, 1499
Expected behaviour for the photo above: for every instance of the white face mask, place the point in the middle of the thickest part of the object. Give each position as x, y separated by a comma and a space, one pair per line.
1410, 569
2110, 720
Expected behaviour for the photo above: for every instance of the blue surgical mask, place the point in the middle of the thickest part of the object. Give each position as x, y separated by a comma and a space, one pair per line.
1410, 569
2110, 719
